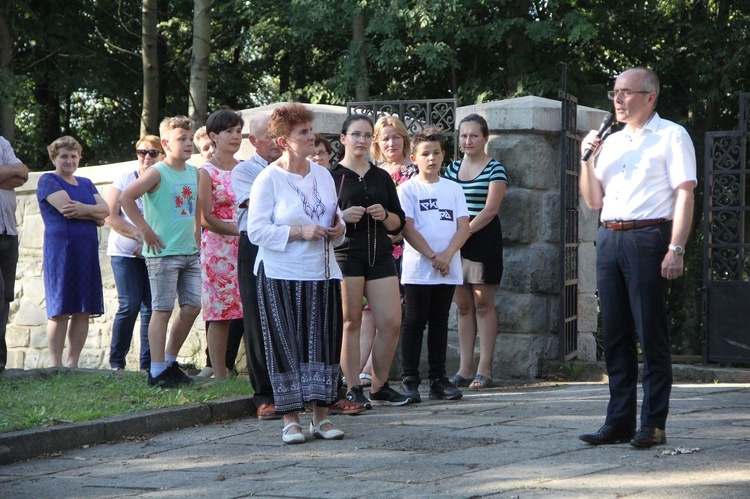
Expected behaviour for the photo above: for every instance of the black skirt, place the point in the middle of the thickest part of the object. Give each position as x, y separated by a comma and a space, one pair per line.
486, 247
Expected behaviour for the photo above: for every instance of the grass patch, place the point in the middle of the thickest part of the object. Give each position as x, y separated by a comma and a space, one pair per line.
62, 397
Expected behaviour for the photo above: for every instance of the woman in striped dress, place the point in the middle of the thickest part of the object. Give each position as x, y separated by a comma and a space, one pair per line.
484, 182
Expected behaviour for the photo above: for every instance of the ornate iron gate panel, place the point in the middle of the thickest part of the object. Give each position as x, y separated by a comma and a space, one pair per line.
416, 114
726, 244
569, 172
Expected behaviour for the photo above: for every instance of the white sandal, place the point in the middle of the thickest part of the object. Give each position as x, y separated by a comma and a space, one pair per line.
332, 434
292, 438
365, 380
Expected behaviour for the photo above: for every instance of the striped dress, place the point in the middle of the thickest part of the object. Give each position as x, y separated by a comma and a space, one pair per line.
486, 245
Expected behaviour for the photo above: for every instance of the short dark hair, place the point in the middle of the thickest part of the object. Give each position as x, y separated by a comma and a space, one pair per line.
430, 133
223, 119
477, 119
351, 119
320, 139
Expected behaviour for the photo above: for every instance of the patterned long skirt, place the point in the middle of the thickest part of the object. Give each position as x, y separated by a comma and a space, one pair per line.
302, 326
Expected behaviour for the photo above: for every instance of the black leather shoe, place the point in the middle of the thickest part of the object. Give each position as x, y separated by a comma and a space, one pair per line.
608, 435
648, 436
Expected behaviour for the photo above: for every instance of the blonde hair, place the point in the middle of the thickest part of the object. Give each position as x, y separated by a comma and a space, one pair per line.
200, 134
151, 139
65, 142
397, 125
175, 122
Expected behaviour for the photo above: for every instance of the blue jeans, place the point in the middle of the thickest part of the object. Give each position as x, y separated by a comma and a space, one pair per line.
133, 296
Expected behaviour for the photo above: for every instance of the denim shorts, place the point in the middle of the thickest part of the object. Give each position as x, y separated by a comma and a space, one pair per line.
174, 276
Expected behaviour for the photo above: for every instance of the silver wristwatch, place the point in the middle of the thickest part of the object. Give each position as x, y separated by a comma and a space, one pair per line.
678, 250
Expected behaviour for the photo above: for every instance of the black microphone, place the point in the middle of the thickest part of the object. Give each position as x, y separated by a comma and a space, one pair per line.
607, 123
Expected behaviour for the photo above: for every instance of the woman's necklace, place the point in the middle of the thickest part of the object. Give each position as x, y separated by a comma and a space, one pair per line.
217, 162
326, 256
371, 256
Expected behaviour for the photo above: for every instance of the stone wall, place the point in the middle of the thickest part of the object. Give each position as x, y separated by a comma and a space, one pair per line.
523, 137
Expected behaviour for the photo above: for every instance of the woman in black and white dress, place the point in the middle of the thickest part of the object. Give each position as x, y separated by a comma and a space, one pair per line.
294, 220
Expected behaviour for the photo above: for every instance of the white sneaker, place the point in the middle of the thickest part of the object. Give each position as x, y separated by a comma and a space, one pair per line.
207, 372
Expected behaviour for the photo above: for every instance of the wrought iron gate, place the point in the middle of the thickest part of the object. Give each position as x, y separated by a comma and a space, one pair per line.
416, 114
726, 244
568, 270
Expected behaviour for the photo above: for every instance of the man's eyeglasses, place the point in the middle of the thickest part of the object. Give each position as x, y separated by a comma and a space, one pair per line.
360, 135
154, 153
612, 94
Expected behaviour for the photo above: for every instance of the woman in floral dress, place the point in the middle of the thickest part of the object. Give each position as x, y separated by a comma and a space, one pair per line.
220, 237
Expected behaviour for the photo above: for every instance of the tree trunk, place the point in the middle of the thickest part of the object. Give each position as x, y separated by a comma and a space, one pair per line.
7, 110
362, 86
713, 106
49, 117
150, 58
199, 62
162, 51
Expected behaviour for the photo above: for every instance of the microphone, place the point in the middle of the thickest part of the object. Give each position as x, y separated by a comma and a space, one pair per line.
607, 123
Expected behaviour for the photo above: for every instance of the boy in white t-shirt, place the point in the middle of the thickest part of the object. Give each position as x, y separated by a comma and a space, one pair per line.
437, 225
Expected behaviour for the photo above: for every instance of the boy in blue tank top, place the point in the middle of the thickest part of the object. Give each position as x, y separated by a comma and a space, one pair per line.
170, 234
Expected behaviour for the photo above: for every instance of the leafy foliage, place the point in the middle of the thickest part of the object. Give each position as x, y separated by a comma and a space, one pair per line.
79, 71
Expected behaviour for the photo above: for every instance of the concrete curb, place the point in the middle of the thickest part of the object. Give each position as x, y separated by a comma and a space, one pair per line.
28, 444
682, 373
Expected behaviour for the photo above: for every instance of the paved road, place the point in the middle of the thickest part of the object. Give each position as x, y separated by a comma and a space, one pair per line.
507, 442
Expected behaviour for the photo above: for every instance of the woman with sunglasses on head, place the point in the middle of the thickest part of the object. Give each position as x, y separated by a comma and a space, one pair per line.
128, 265
371, 210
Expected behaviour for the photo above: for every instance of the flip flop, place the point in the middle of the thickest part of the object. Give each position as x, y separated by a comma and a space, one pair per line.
459, 380
481, 381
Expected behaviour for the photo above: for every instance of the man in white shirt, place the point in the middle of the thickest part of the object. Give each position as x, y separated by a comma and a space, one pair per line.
642, 178
243, 176
13, 174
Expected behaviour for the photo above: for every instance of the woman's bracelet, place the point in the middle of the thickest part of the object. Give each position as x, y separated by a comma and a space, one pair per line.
387, 214
299, 232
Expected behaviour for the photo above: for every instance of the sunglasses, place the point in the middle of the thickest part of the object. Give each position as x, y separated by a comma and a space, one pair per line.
154, 153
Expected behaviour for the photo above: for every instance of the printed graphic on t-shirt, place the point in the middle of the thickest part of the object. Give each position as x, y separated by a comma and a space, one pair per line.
446, 215
431, 204
184, 200
428, 204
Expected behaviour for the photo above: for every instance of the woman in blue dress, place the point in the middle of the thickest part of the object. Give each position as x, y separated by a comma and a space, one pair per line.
72, 209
